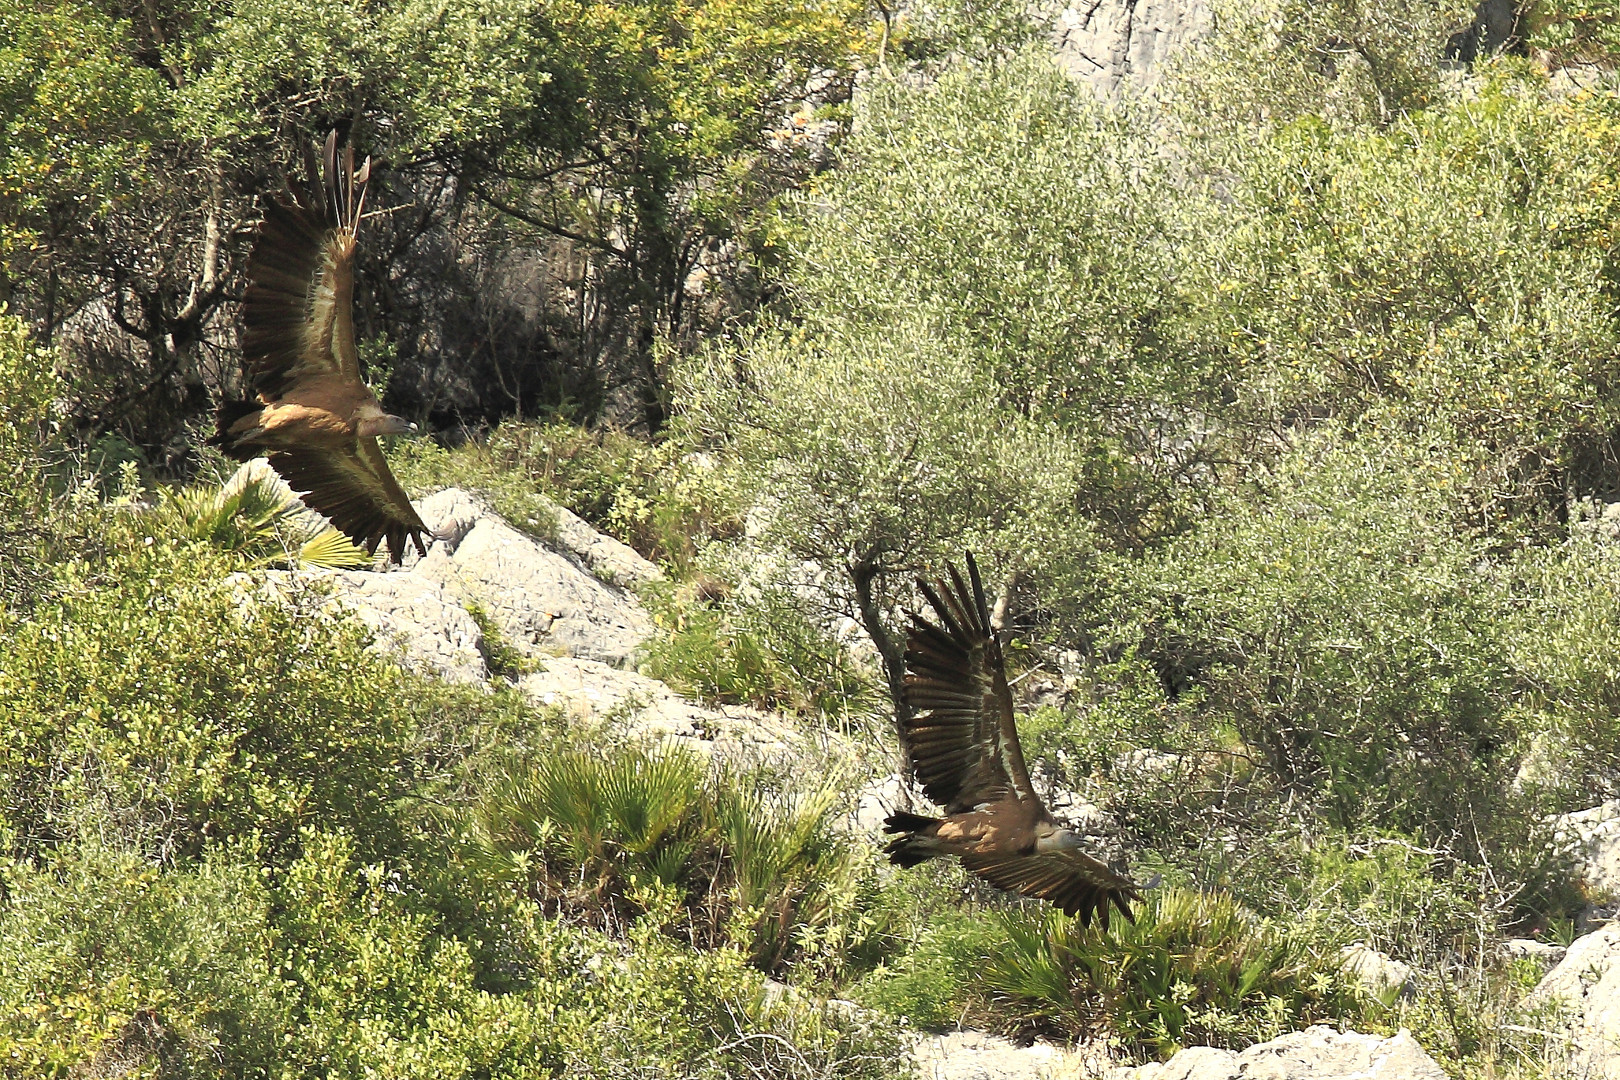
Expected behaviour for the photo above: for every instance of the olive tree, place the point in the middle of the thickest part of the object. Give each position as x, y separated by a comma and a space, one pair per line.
979, 347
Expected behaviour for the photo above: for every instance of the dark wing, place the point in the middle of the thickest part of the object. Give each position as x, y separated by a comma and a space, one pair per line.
961, 737
354, 488
297, 322
1073, 881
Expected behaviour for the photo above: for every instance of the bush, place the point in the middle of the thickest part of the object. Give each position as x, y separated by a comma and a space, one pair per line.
252, 522
337, 969
149, 703
1340, 639
733, 859
1193, 969
27, 385
754, 644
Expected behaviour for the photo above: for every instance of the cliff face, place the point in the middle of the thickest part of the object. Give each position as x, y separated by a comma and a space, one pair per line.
1111, 42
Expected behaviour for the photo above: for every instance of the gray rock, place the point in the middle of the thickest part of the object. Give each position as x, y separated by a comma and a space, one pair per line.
1592, 839
412, 617
1383, 975
1317, 1053
611, 561
1114, 43
1586, 984
593, 691
543, 602
1542, 952
978, 1055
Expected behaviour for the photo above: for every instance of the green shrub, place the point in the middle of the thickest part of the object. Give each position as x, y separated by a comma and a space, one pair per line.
27, 385
1193, 969
111, 965
1339, 639
611, 836
250, 522
109, 961
753, 646
931, 981
148, 701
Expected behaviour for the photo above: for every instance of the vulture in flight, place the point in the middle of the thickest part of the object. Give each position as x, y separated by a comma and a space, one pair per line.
312, 415
964, 748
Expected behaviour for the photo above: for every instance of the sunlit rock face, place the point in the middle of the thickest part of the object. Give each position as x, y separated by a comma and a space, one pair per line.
1585, 989
1317, 1053
1114, 43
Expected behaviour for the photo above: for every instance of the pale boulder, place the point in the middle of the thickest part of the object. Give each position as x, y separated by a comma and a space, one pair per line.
1586, 986
543, 603
978, 1055
413, 619
591, 691
1317, 1053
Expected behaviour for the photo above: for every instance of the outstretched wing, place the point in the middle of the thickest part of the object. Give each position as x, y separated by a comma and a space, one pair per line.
354, 488
961, 737
297, 319
1073, 881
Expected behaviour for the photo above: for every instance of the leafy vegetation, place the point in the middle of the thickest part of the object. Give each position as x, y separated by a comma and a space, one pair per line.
1279, 405
1193, 969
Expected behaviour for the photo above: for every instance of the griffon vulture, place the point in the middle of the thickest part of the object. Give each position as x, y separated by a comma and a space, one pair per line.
313, 417
964, 747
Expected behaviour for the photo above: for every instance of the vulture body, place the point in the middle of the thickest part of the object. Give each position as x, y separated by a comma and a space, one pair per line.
964, 748
312, 415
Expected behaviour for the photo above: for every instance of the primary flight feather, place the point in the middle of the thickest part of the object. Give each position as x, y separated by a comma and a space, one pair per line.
312, 416
963, 745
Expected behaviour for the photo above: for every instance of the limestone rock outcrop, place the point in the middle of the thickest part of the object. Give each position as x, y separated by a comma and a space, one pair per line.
1317, 1053
1593, 838
593, 691
412, 617
1586, 984
543, 602
1383, 975
1113, 43
978, 1055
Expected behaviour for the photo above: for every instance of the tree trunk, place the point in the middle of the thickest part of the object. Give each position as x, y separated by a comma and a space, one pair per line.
893, 653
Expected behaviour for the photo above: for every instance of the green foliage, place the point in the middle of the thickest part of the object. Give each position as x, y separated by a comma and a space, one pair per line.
626, 834
931, 982
27, 385
1584, 32
1343, 634
148, 699
656, 498
1382, 277
251, 521
1193, 969
981, 353
645, 135
1353, 63
753, 645
331, 968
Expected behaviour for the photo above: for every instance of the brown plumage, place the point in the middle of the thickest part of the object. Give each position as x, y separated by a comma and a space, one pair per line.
964, 747
313, 416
